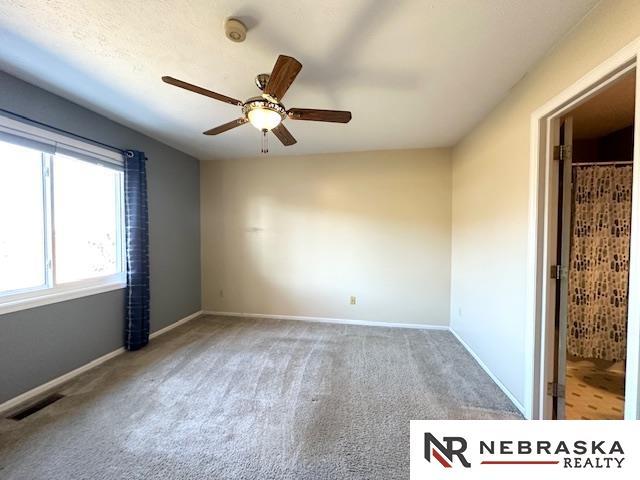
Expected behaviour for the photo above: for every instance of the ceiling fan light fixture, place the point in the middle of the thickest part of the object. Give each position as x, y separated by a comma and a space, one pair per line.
263, 113
264, 118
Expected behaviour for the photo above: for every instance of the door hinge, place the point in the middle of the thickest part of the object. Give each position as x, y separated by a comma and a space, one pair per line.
555, 389
558, 272
562, 152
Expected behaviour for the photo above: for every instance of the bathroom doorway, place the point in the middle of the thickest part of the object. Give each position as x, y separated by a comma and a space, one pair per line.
591, 270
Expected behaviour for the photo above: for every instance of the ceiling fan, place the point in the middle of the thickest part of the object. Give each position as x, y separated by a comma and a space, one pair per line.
266, 111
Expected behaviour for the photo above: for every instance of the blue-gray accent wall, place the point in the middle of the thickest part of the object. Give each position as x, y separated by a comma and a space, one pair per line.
40, 344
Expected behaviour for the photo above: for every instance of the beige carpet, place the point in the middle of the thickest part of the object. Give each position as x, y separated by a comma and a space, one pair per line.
223, 398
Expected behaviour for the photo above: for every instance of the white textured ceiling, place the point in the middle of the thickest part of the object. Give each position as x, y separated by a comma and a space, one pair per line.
415, 73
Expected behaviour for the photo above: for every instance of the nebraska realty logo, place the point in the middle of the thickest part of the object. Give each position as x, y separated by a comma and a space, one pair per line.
501, 449
455, 447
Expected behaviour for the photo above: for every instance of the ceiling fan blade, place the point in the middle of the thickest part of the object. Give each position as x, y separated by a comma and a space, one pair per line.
312, 114
227, 126
201, 91
284, 135
282, 76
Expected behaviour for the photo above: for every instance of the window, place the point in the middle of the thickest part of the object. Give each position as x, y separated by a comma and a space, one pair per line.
61, 223
22, 241
87, 217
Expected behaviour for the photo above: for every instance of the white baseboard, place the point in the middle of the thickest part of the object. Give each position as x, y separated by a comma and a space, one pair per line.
341, 321
495, 379
176, 324
56, 382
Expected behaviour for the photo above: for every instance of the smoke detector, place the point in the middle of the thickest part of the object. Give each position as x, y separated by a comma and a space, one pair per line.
235, 30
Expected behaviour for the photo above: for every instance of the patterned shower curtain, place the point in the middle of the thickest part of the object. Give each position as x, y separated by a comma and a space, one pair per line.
599, 268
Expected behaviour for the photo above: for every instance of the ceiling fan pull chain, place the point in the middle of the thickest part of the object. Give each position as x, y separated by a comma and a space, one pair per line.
265, 142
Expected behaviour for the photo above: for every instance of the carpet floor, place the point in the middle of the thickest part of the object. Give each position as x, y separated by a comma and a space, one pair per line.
221, 398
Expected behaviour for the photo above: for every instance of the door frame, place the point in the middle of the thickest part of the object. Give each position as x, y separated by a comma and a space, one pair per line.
542, 239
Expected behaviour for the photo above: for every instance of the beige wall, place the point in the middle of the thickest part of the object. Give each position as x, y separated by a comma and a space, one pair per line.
300, 235
490, 195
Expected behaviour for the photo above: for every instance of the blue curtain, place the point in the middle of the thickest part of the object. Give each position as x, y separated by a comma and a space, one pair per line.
136, 333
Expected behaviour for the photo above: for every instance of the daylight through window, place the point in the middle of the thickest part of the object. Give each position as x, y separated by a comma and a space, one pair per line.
61, 222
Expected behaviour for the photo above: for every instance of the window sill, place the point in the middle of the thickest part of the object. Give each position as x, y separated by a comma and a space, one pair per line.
41, 298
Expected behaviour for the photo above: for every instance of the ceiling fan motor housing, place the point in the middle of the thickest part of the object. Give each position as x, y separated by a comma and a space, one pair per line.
262, 80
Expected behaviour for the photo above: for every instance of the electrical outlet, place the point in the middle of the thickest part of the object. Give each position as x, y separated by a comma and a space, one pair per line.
221, 293
353, 300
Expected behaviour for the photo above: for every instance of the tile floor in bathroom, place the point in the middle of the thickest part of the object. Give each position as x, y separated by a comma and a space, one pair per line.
593, 391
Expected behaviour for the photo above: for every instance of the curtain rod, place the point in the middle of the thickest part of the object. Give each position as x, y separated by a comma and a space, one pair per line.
586, 164
60, 130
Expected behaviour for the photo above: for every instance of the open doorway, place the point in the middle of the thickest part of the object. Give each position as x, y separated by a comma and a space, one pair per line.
594, 200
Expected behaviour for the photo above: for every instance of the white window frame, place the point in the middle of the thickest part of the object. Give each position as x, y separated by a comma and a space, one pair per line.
49, 292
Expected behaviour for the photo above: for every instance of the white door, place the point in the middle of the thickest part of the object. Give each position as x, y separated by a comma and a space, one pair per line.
562, 268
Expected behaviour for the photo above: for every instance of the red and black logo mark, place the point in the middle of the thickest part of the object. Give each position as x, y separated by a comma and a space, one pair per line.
444, 453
